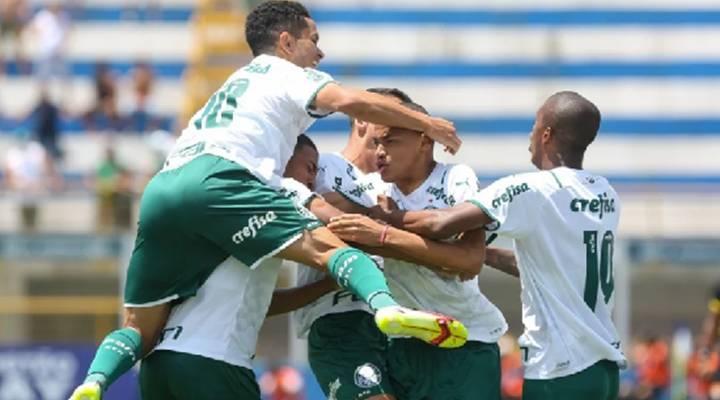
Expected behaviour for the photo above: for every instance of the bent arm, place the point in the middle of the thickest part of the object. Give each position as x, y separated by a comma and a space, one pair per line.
438, 224
503, 260
370, 107
467, 255
286, 300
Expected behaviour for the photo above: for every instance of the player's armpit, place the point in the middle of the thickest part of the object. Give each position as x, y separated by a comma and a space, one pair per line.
503, 260
286, 300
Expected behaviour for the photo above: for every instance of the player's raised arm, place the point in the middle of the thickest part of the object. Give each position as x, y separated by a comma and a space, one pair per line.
378, 109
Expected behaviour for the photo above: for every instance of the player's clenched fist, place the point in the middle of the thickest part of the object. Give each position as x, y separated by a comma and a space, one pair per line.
443, 132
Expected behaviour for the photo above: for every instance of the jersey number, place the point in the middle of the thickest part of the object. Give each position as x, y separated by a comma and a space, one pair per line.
218, 112
604, 274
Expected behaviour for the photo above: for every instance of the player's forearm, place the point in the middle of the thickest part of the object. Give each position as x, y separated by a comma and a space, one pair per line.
457, 257
503, 260
381, 110
323, 210
443, 223
342, 203
286, 300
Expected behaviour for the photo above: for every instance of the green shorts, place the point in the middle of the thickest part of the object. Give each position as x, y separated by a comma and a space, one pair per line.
601, 381
194, 217
421, 371
168, 375
347, 353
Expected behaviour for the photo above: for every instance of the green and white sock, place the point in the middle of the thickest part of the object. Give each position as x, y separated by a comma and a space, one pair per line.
115, 356
357, 272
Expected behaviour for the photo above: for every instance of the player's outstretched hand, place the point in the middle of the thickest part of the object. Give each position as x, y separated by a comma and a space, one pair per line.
359, 229
443, 132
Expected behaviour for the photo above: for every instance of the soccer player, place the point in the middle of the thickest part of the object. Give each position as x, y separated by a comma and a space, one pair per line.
418, 182
563, 220
343, 340
211, 337
216, 197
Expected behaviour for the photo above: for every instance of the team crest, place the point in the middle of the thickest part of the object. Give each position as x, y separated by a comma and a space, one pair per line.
367, 376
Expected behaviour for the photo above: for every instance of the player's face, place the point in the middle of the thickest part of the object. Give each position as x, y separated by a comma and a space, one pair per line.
302, 166
305, 52
398, 151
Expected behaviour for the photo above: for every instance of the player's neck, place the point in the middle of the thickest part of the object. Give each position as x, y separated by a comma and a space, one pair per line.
415, 178
563, 160
361, 157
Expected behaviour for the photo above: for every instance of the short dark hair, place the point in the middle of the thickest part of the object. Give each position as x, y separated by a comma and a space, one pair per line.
415, 107
268, 20
304, 140
392, 92
574, 119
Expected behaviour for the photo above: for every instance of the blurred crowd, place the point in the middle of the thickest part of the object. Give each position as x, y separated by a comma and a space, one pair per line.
648, 376
32, 166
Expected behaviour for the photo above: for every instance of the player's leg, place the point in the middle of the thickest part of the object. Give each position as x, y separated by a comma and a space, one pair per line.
169, 262
597, 382
169, 375
357, 272
420, 371
252, 221
347, 354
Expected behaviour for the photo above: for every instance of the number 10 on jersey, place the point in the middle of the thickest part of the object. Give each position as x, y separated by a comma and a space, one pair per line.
598, 277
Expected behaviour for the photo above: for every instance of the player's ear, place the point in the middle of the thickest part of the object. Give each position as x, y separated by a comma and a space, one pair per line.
286, 42
361, 126
547, 134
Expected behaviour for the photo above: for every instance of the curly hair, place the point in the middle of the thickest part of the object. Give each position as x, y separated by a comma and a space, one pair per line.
268, 20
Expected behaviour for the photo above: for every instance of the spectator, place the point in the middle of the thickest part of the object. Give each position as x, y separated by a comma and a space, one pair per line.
104, 116
51, 26
46, 118
29, 173
141, 119
653, 368
282, 383
113, 187
511, 367
13, 16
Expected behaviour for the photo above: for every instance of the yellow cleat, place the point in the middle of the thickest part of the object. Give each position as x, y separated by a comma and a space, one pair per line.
435, 329
87, 391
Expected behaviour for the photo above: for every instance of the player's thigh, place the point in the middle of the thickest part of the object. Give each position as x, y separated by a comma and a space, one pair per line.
478, 372
347, 354
420, 371
597, 382
170, 259
247, 218
314, 248
181, 376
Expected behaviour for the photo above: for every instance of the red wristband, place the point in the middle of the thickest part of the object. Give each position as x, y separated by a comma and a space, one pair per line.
383, 234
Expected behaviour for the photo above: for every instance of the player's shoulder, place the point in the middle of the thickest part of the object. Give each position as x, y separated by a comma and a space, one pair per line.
329, 162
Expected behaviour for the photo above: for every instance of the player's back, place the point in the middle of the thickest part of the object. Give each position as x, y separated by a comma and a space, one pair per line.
255, 118
564, 223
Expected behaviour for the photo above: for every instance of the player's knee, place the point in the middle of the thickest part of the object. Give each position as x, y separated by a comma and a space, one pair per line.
149, 322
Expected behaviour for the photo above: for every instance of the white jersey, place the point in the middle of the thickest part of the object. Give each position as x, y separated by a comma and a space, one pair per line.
336, 174
562, 223
418, 287
254, 119
223, 319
